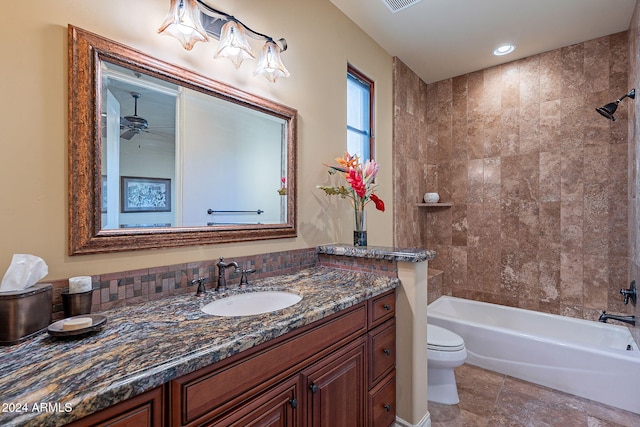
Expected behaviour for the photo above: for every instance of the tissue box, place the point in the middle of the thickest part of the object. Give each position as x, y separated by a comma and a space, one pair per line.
24, 313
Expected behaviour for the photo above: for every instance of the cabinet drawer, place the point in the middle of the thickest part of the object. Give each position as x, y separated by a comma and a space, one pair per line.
382, 403
382, 308
202, 395
382, 345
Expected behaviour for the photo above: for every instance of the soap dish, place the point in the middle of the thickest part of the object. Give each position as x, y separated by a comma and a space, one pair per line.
55, 329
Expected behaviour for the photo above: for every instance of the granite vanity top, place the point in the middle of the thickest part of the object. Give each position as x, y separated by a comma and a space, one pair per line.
378, 252
146, 345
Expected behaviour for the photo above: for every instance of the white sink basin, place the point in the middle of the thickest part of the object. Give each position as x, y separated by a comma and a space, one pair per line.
251, 303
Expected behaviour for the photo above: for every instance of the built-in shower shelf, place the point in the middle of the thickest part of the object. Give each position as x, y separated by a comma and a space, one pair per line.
434, 205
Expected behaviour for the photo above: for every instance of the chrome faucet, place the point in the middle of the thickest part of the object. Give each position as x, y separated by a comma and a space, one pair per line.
626, 319
222, 280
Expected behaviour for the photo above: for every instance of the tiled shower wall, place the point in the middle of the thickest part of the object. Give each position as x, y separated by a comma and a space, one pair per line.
634, 159
537, 179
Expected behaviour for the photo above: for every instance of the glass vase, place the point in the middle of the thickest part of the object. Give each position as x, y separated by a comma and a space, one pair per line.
360, 232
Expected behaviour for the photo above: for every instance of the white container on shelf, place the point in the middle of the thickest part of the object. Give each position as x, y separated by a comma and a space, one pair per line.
431, 197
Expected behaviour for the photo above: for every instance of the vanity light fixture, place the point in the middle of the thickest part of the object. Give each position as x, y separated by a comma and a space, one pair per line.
234, 44
504, 50
183, 23
608, 110
270, 64
191, 21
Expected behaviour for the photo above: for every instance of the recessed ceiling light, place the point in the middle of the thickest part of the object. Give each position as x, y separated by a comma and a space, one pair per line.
504, 50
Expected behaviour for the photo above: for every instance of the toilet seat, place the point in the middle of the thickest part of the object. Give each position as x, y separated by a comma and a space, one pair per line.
441, 339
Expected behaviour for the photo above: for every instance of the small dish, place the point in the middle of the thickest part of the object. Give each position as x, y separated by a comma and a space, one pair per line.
55, 329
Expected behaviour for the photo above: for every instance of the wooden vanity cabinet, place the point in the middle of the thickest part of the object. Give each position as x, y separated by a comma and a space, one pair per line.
209, 395
339, 371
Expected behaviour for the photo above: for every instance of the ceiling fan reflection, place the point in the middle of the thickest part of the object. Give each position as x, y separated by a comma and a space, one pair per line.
134, 124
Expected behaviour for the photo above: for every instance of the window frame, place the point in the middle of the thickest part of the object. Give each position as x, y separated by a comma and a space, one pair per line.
366, 81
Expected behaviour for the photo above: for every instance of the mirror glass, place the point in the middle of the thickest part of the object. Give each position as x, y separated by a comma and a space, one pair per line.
222, 165
173, 158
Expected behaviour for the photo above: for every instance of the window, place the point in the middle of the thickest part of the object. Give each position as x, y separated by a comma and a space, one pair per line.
359, 114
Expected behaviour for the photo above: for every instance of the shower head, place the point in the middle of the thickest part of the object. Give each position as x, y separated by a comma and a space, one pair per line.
608, 110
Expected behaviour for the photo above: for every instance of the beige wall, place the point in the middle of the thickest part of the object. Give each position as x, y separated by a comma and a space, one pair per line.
33, 164
537, 179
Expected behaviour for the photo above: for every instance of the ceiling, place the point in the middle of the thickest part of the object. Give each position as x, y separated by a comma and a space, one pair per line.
439, 39
156, 104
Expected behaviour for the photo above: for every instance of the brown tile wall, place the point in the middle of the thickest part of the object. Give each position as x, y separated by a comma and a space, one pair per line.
138, 286
537, 179
435, 288
634, 161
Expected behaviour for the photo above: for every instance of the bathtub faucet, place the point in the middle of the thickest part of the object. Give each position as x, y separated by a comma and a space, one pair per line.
630, 293
626, 319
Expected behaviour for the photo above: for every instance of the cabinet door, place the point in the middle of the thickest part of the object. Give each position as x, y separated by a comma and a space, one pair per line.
144, 410
336, 388
277, 407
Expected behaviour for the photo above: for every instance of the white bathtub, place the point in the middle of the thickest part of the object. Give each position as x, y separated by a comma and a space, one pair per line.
582, 357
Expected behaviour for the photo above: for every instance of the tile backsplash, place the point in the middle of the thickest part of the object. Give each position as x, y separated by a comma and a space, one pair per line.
138, 286
370, 265
113, 290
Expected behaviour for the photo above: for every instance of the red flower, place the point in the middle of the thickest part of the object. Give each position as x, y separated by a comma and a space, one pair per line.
360, 179
355, 180
378, 202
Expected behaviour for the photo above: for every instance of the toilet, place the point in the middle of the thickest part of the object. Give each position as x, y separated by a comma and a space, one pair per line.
445, 351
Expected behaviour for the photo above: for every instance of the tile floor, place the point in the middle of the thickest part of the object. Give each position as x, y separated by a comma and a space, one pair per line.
490, 399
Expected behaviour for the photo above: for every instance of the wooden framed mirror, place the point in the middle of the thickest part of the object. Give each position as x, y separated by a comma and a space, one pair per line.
160, 156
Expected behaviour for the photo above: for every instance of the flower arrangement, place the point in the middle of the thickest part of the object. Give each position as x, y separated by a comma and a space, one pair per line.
283, 186
360, 190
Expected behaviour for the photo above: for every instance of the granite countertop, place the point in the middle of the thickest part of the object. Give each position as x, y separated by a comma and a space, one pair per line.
144, 346
378, 252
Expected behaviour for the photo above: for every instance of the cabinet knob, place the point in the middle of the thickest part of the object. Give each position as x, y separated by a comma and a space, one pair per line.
387, 352
293, 403
387, 307
387, 407
313, 388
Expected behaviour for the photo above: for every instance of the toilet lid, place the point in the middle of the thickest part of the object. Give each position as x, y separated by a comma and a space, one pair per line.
442, 339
